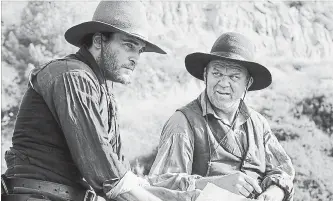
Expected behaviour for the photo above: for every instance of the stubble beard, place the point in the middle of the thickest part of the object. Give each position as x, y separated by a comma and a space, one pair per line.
109, 66
223, 105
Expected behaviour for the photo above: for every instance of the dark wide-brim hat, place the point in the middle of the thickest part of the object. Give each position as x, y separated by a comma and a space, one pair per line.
128, 17
231, 47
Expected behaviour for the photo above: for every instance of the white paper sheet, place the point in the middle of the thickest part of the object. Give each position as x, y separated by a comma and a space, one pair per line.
214, 193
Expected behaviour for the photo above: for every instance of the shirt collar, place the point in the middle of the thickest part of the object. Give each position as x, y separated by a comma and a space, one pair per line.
242, 117
206, 106
86, 57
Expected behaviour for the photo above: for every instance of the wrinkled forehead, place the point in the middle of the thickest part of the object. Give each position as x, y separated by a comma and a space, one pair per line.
227, 66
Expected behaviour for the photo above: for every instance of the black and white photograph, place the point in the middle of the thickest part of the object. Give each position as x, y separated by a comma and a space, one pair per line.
165, 100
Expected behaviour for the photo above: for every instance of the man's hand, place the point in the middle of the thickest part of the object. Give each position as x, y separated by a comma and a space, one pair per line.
272, 193
238, 183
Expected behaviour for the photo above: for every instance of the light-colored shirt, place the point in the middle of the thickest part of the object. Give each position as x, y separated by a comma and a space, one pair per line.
175, 162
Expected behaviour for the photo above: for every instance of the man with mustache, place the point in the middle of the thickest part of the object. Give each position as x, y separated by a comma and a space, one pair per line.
217, 138
66, 141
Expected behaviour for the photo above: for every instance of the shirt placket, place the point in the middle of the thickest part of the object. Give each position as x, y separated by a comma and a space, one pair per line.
111, 114
223, 137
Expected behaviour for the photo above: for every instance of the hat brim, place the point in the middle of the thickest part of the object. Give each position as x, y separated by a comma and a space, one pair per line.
75, 34
196, 62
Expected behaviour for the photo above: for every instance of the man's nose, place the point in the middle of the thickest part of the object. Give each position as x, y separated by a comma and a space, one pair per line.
224, 81
134, 59
133, 62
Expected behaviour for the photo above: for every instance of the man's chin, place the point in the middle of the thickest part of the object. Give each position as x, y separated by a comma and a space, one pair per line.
225, 105
122, 80
125, 81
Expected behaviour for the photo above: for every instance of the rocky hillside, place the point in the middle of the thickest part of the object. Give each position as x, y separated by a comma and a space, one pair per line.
294, 39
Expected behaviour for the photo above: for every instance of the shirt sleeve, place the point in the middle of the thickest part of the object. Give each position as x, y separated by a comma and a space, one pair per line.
279, 168
74, 99
172, 167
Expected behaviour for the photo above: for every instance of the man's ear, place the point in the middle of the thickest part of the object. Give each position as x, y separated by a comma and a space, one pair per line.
250, 82
97, 40
205, 74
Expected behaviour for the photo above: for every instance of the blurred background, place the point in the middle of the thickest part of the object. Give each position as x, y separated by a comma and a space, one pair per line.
293, 39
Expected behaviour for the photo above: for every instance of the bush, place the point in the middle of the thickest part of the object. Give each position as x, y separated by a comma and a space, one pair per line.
319, 109
311, 188
284, 134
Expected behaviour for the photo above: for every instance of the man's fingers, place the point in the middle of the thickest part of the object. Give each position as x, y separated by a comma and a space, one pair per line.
247, 186
264, 197
253, 183
261, 197
242, 190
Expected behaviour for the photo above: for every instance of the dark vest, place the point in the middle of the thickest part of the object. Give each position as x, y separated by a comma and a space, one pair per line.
222, 161
40, 150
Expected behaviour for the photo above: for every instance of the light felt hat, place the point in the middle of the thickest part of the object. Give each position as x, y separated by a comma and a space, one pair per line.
127, 17
235, 47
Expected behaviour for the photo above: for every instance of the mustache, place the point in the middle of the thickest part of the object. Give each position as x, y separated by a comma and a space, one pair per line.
128, 66
222, 90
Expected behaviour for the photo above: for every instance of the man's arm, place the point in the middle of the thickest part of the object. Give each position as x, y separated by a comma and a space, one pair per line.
238, 183
173, 164
74, 99
172, 167
280, 172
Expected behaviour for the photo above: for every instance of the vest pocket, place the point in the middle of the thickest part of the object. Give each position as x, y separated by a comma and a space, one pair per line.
14, 158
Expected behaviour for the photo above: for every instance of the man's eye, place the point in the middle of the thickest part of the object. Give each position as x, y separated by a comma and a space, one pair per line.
216, 74
234, 77
141, 50
129, 45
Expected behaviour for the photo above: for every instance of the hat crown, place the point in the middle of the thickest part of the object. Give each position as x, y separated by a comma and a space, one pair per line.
235, 45
232, 47
126, 15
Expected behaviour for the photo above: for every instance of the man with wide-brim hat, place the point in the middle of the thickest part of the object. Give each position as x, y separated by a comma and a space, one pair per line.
66, 141
217, 138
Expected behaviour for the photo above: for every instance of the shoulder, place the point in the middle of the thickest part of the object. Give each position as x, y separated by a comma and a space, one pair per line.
67, 66
176, 122
192, 108
259, 121
177, 125
63, 68
255, 115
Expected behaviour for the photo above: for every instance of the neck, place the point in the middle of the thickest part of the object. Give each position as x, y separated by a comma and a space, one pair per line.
227, 114
96, 54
